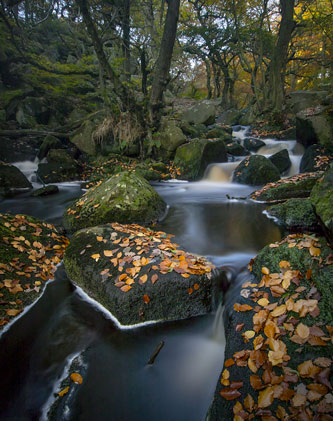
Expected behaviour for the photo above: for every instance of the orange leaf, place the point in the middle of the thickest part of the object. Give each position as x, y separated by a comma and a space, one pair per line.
271, 329
13, 312
263, 302
266, 397
99, 238
154, 278
122, 277
64, 391
108, 253
242, 307
126, 288
96, 257
229, 362
143, 279
196, 286
190, 291
76, 378
146, 299
265, 270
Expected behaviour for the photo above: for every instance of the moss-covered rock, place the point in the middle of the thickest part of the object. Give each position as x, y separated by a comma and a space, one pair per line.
295, 277
193, 130
82, 137
315, 125
60, 167
296, 215
236, 149
11, 178
230, 117
50, 142
125, 198
45, 191
193, 158
315, 158
170, 137
30, 250
253, 144
218, 132
281, 160
288, 188
150, 285
201, 113
255, 170
322, 199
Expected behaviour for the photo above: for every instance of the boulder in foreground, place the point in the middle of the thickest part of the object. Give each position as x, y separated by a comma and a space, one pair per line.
125, 197
255, 170
138, 274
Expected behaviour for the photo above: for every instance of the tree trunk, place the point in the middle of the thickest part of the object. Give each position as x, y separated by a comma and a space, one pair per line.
208, 75
278, 63
163, 63
126, 38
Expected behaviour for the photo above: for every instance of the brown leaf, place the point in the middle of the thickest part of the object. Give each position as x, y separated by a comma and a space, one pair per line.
229, 362
303, 331
230, 394
256, 382
242, 307
239, 327
249, 403
323, 362
143, 279
126, 288
146, 299
266, 397
154, 278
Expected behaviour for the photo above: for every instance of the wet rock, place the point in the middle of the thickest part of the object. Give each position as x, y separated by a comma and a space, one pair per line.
201, 113
20, 149
281, 160
82, 137
255, 170
253, 144
193, 130
301, 100
288, 188
315, 125
296, 215
50, 142
139, 292
230, 117
322, 199
125, 198
236, 149
218, 132
315, 158
315, 277
194, 157
45, 191
170, 137
11, 178
60, 167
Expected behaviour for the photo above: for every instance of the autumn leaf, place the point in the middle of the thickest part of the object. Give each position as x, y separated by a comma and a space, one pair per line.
96, 257
242, 307
108, 253
76, 378
154, 278
230, 394
13, 312
266, 397
143, 279
302, 331
63, 391
146, 299
126, 288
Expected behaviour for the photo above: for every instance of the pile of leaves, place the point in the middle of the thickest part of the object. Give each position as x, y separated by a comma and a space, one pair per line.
287, 348
256, 195
161, 256
30, 250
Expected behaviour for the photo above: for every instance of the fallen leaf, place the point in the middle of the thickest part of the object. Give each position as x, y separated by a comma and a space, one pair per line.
230, 394
303, 331
108, 253
266, 397
154, 278
64, 391
146, 299
76, 378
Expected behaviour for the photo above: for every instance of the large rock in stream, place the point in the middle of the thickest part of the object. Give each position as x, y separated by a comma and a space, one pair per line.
125, 197
255, 170
193, 158
11, 179
138, 274
60, 167
315, 125
201, 113
278, 357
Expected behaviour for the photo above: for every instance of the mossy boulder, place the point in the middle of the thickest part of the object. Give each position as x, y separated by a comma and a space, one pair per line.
201, 113
192, 130
30, 250
252, 144
193, 158
45, 191
288, 188
60, 167
150, 285
296, 215
230, 117
170, 137
315, 158
236, 149
125, 197
50, 142
255, 369
218, 132
82, 137
322, 199
281, 160
11, 179
315, 125
255, 170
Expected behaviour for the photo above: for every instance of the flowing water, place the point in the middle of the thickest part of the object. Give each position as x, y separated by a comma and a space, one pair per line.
37, 349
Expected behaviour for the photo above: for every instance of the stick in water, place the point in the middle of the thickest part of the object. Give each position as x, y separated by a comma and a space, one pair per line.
156, 352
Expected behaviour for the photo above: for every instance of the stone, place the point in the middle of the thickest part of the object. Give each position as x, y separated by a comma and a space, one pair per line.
201, 113
11, 179
60, 167
170, 137
230, 117
315, 158
165, 296
194, 157
253, 144
301, 100
32, 111
288, 188
82, 137
322, 199
218, 132
124, 198
315, 125
281, 160
236, 149
45, 191
49, 142
255, 170
296, 215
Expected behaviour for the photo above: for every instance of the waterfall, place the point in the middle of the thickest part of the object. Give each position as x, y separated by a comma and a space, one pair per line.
28, 168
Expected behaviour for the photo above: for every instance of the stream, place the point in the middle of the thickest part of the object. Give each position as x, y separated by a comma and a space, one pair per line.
118, 384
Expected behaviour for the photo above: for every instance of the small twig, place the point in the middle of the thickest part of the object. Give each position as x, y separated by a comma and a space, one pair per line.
155, 353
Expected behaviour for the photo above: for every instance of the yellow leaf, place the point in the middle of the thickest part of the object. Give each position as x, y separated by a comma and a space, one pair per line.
265, 270
249, 334
278, 311
13, 312
143, 278
108, 253
266, 397
64, 391
263, 302
96, 257
99, 238
303, 331
126, 288
252, 365
76, 378
314, 251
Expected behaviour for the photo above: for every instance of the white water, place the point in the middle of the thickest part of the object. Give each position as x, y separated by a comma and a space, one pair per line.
28, 168
222, 172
